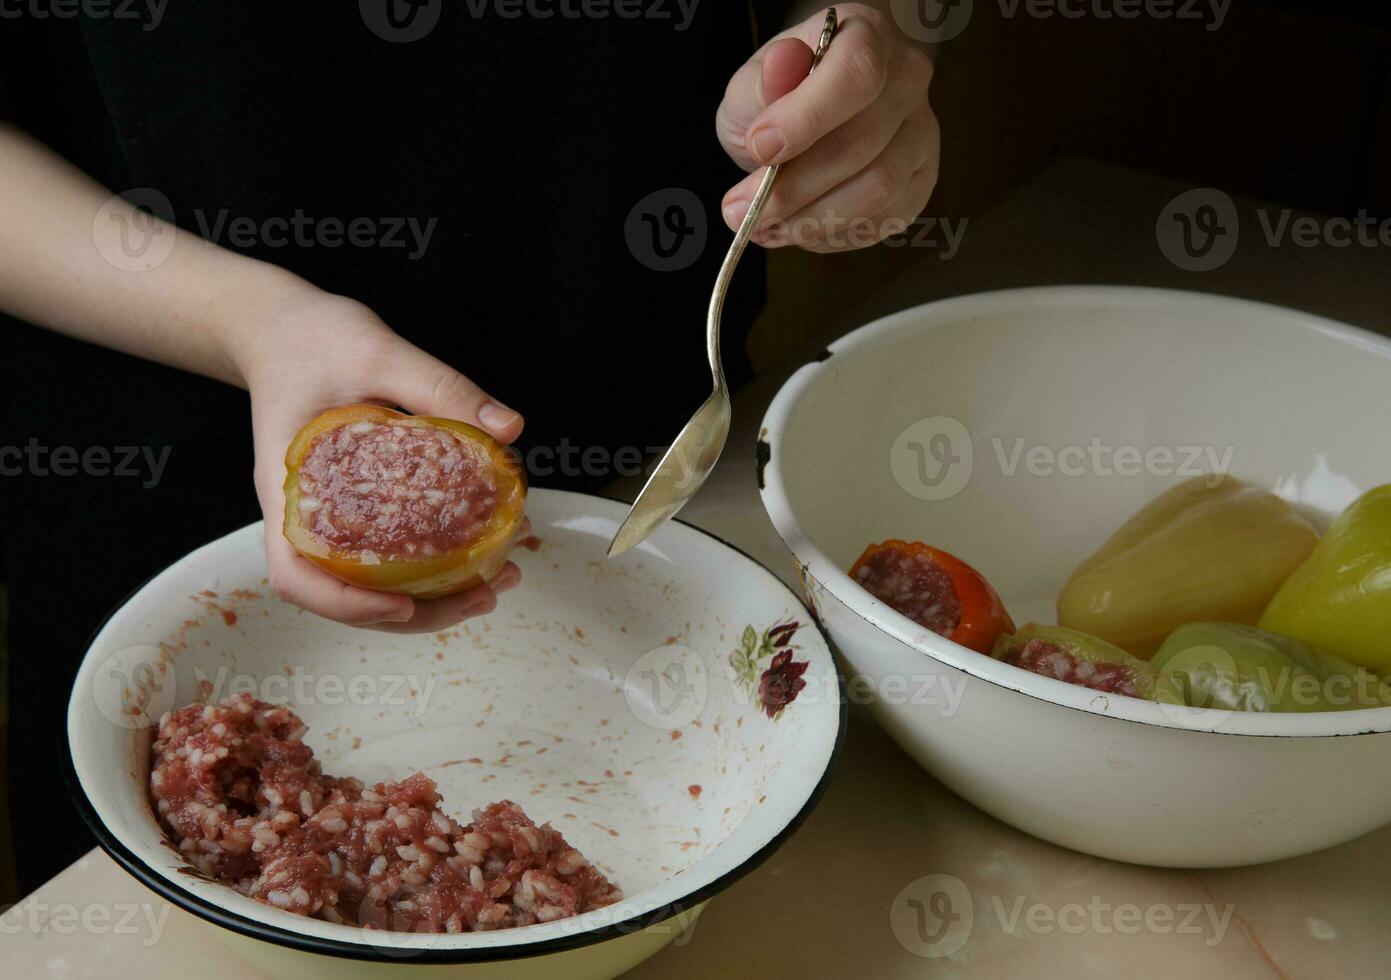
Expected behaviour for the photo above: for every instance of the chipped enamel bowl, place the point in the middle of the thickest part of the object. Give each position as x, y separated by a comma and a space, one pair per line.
601, 695
1018, 430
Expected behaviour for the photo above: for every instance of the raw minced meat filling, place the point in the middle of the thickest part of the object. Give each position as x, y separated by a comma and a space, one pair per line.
395, 491
1051, 660
245, 802
914, 585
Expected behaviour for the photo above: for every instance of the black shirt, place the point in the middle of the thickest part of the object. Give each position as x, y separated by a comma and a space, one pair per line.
489, 169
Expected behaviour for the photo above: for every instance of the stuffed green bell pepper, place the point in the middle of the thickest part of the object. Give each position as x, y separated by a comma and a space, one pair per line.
1077, 658
1242, 668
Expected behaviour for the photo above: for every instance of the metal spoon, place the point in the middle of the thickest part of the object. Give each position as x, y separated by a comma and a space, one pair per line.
688, 461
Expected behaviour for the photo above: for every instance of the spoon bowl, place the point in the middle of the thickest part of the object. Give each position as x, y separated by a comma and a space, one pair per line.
681, 471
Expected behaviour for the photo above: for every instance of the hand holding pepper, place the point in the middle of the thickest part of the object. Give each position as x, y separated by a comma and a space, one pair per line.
310, 352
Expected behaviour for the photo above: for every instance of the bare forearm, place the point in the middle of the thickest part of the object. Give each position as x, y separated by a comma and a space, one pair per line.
65, 265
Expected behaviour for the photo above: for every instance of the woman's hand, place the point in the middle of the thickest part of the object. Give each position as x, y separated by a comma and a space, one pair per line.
859, 138
307, 352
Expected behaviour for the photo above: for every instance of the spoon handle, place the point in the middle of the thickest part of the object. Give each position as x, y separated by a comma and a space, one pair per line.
746, 228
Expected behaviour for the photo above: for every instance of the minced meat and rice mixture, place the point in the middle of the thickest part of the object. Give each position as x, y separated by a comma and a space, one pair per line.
244, 800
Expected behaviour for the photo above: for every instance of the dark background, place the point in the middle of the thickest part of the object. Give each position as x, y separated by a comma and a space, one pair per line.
1287, 102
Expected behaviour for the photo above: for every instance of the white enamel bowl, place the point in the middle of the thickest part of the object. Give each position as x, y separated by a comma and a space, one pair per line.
600, 696
970, 424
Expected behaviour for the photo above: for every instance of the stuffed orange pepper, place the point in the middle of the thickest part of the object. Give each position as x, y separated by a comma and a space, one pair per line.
934, 589
400, 503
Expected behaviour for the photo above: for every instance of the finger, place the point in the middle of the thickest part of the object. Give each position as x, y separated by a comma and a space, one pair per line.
425, 385
872, 191
509, 578
298, 581
852, 75
835, 158
786, 62
435, 615
894, 220
770, 74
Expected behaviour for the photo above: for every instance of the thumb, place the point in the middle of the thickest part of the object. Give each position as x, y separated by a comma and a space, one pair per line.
425, 385
776, 70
